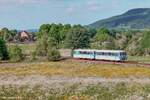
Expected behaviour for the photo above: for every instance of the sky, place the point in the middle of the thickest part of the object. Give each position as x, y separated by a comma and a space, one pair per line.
30, 14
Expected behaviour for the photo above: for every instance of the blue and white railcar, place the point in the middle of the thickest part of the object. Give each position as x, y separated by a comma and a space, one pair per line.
84, 54
112, 55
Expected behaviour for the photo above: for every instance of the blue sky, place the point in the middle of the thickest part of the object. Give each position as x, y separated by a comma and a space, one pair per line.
30, 14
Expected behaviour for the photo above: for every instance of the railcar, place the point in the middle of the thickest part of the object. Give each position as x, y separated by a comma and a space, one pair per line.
113, 55
110, 55
85, 54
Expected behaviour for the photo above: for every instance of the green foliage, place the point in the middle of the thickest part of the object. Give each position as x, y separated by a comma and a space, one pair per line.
53, 55
103, 40
77, 38
103, 31
101, 37
92, 32
3, 50
57, 31
16, 54
5, 34
41, 47
8, 35
33, 55
145, 43
52, 43
51, 36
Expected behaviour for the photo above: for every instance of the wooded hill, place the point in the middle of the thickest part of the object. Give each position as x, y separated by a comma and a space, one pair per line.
133, 19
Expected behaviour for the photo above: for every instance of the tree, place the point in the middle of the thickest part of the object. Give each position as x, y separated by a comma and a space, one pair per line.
145, 43
77, 38
49, 39
8, 35
16, 54
64, 31
3, 50
103, 40
5, 34
42, 46
92, 32
13, 34
53, 55
103, 31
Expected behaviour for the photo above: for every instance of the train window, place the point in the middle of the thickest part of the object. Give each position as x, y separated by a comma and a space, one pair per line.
123, 53
109, 54
106, 54
99, 53
114, 54
103, 53
85, 52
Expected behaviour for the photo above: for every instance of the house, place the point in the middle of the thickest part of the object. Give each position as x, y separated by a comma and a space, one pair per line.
25, 36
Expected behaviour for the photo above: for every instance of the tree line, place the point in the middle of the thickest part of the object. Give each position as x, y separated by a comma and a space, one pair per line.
52, 37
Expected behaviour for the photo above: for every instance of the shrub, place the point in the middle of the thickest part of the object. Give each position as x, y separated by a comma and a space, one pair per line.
16, 54
53, 55
33, 55
41, 48
3, 50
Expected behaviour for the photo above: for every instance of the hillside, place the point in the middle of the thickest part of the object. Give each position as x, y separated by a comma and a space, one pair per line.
133, 19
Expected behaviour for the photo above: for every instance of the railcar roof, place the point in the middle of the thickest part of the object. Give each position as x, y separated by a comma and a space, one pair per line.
99, 50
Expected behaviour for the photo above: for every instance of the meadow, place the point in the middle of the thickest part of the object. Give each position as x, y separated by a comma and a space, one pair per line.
120, 91
71, 79
74, 68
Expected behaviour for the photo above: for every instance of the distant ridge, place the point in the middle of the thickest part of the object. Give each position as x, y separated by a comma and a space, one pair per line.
138, 18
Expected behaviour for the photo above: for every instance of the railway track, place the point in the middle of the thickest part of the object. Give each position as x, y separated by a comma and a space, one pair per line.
113, 62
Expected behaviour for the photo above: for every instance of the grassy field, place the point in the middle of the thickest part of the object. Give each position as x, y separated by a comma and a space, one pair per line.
120, 91
73, 79
74, 68
142, 59
72, 88
27, 48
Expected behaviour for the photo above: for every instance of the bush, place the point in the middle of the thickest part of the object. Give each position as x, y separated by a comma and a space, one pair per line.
16, 54
33, 55
53, 55
3, 50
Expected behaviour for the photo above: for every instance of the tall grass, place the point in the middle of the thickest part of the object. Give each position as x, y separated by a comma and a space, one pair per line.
120, 91
74, 69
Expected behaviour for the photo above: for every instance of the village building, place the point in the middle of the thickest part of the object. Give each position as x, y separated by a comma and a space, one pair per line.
25, 36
